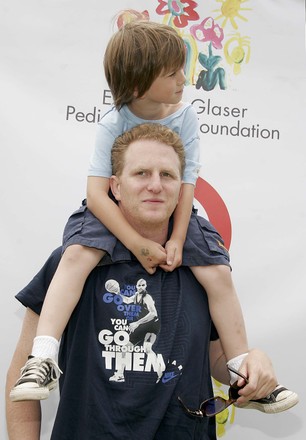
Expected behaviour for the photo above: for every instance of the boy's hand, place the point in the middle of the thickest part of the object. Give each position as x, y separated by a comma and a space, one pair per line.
174, 249
149, 254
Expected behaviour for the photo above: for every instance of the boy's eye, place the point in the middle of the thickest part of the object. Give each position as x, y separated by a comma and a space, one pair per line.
169, 73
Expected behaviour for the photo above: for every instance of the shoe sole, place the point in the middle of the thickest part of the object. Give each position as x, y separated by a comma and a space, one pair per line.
272, 408
22, 394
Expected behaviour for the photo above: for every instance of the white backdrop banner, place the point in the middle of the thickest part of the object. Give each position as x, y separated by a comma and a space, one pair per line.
246, 79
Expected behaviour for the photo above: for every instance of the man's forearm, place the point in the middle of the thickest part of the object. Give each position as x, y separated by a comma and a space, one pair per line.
23, 418
218, 362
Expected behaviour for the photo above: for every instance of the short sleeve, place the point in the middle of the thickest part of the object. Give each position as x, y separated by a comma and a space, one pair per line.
34, 293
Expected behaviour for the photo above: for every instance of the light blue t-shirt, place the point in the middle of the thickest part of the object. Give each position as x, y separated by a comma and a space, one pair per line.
184, 122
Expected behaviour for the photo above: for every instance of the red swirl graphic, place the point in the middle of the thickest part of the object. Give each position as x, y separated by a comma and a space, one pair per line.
215, 208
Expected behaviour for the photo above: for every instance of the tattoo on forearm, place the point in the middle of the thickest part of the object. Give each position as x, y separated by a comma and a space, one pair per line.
145, 252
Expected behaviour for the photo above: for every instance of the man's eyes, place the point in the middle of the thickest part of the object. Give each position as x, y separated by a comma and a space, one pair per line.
147, 173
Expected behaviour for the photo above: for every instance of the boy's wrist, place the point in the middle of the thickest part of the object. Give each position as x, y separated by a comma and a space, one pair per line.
179, 240
133, 243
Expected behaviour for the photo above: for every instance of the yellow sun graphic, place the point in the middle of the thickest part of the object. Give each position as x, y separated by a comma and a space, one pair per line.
230, 11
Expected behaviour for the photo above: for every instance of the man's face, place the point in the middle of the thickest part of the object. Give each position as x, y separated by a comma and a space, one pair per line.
149, 186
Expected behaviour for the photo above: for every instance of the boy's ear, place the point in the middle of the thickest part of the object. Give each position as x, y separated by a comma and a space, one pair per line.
136, 95
114, 184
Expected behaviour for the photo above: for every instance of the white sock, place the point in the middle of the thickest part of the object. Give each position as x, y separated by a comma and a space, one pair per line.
235, 363
45, 347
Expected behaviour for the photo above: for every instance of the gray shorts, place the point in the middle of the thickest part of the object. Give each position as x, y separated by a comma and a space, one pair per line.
85, 229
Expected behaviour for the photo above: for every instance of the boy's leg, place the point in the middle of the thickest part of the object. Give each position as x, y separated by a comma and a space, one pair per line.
40, 374
224, 307
228, 319
66, 288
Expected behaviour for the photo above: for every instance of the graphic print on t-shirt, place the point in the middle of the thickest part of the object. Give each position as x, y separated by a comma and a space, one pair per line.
128, 342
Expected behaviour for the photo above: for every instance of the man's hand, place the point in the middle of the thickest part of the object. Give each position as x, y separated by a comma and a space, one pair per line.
258, 368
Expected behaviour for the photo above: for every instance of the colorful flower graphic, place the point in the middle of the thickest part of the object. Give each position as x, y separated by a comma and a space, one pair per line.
237, 51
211, 75
131, 15
181, 11
207, 30
191, 56
204, 38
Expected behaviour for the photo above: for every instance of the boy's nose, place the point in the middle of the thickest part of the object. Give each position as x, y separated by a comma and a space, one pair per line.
181, 78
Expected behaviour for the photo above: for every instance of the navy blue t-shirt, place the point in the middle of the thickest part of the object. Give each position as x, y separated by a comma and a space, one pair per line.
162, 357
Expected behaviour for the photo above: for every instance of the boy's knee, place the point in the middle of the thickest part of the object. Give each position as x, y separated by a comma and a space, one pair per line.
78, 254
220, 270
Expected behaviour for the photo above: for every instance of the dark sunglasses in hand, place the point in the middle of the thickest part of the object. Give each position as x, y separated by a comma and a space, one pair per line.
217, 404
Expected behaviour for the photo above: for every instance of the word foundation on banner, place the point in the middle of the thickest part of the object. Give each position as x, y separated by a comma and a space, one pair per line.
204, 108
237, 129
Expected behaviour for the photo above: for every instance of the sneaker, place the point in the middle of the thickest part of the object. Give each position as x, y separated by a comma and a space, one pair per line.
117, 377
38, 377
279, 400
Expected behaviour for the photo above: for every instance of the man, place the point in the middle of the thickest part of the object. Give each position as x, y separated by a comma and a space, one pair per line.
148, 162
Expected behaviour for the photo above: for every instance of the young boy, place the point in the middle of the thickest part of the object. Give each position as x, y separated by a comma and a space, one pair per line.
144, 67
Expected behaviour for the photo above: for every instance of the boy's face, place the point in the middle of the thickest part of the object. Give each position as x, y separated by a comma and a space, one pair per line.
167, 88
149, 187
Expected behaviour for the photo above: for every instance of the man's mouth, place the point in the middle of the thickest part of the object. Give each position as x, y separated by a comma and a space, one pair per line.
153, 200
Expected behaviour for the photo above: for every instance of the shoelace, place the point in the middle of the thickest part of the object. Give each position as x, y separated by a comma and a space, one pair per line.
41, 370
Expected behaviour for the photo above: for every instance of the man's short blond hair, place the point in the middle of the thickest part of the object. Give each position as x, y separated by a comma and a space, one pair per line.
137, 54
149, 131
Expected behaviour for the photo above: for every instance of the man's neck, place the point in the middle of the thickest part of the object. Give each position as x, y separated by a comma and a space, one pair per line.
158, 234
154, 232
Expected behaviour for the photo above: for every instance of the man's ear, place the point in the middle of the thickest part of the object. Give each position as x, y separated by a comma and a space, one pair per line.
114, 184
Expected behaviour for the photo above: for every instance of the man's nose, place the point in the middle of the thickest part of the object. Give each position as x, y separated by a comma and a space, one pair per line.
155, 183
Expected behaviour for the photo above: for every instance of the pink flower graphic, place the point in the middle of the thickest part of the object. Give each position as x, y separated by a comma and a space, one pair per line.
131, 15
182, 11
207, 30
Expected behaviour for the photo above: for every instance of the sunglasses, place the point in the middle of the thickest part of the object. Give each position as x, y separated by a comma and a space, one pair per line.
217, 404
